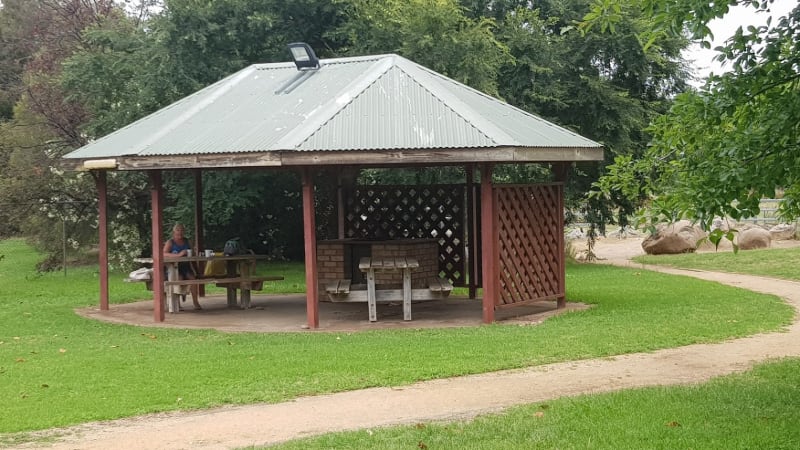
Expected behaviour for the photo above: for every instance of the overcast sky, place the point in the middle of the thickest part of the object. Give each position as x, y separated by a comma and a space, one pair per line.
725, 28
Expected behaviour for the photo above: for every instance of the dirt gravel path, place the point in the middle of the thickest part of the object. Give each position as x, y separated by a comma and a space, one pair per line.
448, 399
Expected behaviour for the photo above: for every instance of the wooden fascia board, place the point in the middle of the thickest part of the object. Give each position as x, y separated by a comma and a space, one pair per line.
441, 156
292, 158
71, 164
210, 161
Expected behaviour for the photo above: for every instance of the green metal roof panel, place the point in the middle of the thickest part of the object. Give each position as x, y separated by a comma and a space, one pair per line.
396, 112
515, 126
364, 103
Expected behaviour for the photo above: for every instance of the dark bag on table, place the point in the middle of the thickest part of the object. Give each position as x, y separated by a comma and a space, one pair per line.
233, 247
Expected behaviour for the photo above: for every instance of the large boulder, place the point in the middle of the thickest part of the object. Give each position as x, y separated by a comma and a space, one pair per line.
783, 232
574, 234
724, 224
671, 239
753, 238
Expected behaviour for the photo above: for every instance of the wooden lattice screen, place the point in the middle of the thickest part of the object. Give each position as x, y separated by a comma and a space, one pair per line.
412, 212
530, 244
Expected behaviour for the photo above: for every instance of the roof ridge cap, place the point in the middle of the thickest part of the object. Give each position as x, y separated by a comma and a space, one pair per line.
323, 62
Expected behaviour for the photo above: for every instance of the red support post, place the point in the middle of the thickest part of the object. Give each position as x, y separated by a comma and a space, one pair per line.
560, 171
472, 255
310, 239
488, 243
199, 239
156, 205
561, 301
561, 174
339, 207
102, 227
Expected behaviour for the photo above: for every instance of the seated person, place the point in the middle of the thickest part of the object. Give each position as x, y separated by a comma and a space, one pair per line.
178, 246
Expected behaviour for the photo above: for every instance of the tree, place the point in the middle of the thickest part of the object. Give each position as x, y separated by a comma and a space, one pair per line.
434, 33
601, 85
129, 67
736, 140
38, 199
604, 86
106, 67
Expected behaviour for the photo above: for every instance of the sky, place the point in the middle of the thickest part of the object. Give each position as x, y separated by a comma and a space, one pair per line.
724, 28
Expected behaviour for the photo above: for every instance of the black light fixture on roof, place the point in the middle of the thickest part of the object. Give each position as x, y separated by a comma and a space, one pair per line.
303, 56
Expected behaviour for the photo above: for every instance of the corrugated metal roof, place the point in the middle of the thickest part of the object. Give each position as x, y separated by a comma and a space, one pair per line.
365, 103
396, 112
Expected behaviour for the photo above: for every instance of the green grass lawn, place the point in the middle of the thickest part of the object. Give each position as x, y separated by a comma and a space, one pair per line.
778, 263
57, 368
756, 409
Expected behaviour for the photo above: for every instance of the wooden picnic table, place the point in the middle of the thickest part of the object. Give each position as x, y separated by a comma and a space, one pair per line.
371, 265
239, 275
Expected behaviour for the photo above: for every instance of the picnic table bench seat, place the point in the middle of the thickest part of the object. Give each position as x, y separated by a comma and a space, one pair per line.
246, 284
256, 282
441, 285
243, 283
148, 283
344, 291
339, 287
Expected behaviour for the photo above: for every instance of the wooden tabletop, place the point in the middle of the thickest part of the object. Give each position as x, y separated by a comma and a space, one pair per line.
173, 259
387, 263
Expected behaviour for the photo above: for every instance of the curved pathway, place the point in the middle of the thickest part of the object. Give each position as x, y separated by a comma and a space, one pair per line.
447, 399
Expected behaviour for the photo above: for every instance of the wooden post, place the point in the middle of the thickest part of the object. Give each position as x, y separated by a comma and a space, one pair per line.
561, 301
373, 313
199, 239
339, 207
310, 239
407, 293
560, 175
102, 227
157, 205
488, 244
472, 256
560, 171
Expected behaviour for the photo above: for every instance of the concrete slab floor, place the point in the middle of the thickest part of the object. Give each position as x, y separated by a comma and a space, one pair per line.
287, 313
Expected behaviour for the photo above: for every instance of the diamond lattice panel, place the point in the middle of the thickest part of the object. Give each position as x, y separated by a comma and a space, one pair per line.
412, 212
530, 243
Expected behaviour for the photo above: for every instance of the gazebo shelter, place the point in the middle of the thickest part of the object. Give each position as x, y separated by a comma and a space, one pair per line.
347, 114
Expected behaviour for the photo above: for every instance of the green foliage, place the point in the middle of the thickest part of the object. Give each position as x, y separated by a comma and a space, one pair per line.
129, 68
12, 56
756, 409
421, 175
212, 39
112, 66
604, 86
721, 149
36, 198
264, 209
122, 74
668, 17
45, 347
434, 33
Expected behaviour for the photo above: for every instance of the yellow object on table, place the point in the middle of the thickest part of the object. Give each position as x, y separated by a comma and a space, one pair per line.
215, 269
